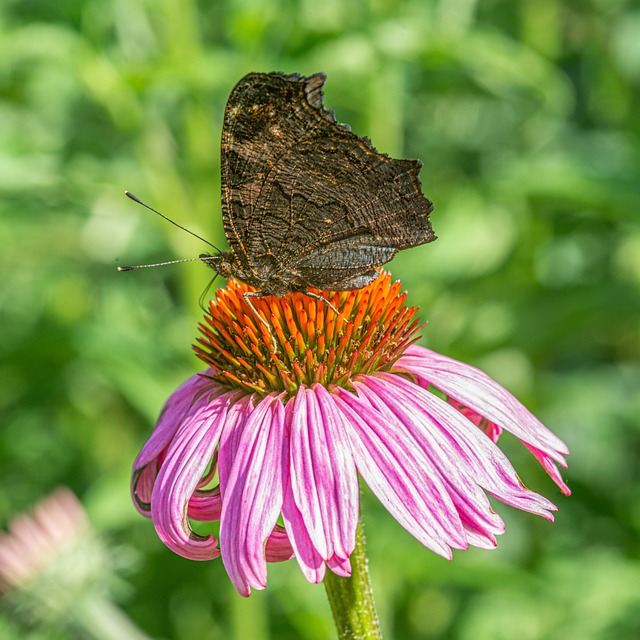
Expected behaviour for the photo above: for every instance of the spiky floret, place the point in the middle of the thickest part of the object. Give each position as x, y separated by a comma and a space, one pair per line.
371, 331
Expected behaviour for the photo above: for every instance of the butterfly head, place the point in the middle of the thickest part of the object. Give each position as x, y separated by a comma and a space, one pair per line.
223, 263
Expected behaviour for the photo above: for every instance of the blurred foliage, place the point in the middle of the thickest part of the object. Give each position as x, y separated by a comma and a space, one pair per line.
527, 118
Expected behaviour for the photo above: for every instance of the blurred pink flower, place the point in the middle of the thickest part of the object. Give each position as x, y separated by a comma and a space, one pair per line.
56, 575
34, 541
261, 436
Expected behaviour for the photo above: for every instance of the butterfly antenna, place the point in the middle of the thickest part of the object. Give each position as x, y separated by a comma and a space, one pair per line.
146, 206
160, 264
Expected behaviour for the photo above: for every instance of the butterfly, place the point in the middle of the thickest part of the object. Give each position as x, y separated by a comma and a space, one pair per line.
306, 203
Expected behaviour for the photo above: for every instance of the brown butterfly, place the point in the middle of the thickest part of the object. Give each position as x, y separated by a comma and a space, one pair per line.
306, 203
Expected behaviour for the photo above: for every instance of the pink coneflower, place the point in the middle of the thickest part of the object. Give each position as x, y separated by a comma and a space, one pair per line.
271, 444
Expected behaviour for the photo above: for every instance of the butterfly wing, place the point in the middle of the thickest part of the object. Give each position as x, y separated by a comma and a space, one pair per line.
305, 201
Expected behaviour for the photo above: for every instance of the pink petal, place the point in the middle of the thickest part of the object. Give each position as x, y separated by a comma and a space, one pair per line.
187, 458
401, 476
278, 547
479, 539
252, 495
549, 467
345, 492
146, 465
205, 506
239, 414
301, 474
142, 487
309, 560
479, 392
470, 501
483, 460
174, 410
340, 566
491, 429
324, 481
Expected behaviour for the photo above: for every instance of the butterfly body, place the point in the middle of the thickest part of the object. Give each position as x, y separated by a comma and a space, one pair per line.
265, 280
306, 203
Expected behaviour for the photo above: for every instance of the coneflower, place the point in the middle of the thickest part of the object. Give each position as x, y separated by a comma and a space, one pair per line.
266, 436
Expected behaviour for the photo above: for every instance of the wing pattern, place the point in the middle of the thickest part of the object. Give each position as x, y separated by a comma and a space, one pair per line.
307, 203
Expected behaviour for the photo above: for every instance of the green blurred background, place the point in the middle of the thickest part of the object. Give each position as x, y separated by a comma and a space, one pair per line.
527, 118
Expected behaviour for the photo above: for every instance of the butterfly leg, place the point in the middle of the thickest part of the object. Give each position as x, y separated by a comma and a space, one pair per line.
203, 296
265, 324
317, 297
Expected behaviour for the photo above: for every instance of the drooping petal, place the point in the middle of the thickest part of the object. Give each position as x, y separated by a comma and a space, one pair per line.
146, 465
172, 414
345, 493
476, 390
278, 547
306, 494
309, 560
323, 475
320, 508
238, 415
252, 495
401, 476
470, 501
475, 451
548, 465
490, 428
480, 539
142, 483
205, 506
186, 460
340, 566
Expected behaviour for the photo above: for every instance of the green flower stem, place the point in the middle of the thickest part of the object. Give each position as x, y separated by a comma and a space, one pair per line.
351, 599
